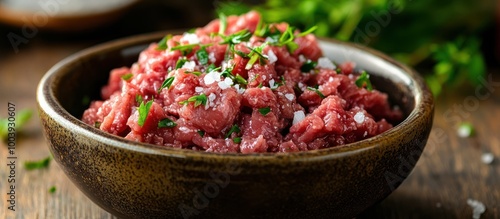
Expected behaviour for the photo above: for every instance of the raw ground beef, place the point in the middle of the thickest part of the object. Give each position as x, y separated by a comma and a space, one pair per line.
289, 98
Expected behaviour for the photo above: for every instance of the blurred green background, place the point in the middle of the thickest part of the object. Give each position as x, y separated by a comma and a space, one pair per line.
451, 42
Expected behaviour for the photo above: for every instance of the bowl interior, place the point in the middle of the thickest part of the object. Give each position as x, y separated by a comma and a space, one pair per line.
84, 77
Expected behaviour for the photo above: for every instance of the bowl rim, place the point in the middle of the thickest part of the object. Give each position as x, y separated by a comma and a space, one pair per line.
51, 106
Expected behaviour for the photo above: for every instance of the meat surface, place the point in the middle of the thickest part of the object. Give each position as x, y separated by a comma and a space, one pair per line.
240, 87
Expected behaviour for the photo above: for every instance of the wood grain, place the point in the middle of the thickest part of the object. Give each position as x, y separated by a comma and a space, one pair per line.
449, 172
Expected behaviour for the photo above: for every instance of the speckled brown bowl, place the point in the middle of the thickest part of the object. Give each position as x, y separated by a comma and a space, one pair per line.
136, 180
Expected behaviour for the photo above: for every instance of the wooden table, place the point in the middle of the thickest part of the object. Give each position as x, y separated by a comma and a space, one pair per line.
449, 172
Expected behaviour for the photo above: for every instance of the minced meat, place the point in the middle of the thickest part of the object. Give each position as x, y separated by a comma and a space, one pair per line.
241, 86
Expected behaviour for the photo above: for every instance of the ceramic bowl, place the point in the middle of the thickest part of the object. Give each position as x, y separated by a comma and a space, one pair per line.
137, 180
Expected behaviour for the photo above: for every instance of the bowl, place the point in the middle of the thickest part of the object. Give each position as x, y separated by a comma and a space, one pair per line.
137, 180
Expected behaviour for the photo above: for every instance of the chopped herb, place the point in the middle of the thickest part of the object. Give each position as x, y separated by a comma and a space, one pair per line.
143, 112
162, 45
338, 70
201, 133
223, 23
180, 63
256, 54
210, 68
188, 48
202, 56
127, 77
166, 84
234, 129
242, 54
238, 37
22, 117
197, 73
264, 111
364, 79
240, 80
31, 165
308, 66
97, 124
316, 91
287, 39
237, 140
255, 78
310, 30
138, 98
198, 100
52, 190
260, 85
166, 123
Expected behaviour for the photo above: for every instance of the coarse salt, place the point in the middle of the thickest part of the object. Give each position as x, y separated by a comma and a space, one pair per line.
272, 56
198, 89
211, 57
477, 208
226, 83
325, 62
298, 116
211, 77
189, 65
359, 117
290, 97
487, 158
191, 38
272, 84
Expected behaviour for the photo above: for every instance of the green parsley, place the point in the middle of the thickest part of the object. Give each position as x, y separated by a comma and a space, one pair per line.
162, 45
308, 66
237, 140
197, 73
198, 100
52, 190
223, 23
316, 91
31, 165
202, 56
97, 124
210, 68
287, 39
138, 98
201, 133
264, 111
185, 49
143, 112
234, 129
308, 31
166, 84
22, 117
127, 77
166, 123
180, 63
238, 37
256, 54
364, 79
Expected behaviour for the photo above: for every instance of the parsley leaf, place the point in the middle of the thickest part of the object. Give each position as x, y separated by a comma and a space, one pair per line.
308, 31
308, 66
180, 63
166, 123
197, 73
223, 23
162, 45
364, 79
166, 84
237, 140
52, 190
31, 165
197, 99
234, 129
143, 112
256, 54
264, 111
201, 133
238, 37
202, 56
127, 76
316, 91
